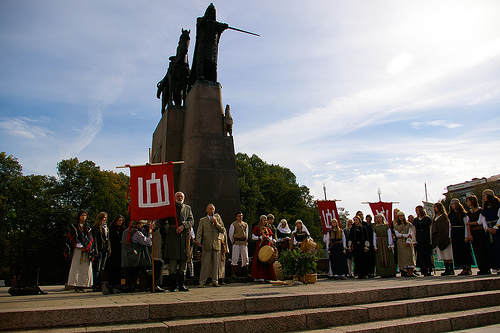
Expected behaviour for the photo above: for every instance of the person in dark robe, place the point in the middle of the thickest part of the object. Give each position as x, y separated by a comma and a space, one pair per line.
490, 218
462, 252
476, 234
359, 246
114, 263
176, 234
423, 247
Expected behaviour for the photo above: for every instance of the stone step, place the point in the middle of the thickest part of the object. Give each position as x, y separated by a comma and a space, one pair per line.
94, 309
378, 315
442, 322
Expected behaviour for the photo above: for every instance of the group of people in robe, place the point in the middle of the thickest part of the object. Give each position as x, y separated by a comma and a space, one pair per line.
98, 247
364, 248
376, 248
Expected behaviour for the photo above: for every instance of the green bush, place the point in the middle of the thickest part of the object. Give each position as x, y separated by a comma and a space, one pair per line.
295, 262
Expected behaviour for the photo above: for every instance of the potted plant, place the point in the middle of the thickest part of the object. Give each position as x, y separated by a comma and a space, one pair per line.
296, 263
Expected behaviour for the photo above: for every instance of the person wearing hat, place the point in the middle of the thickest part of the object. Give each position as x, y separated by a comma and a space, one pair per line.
462, 252
441, 238
405, 235
490, 217
136, 242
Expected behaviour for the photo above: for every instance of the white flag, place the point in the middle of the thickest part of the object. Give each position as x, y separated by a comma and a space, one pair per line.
429, 209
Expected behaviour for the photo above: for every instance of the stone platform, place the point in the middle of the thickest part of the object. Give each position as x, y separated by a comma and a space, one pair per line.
423, 304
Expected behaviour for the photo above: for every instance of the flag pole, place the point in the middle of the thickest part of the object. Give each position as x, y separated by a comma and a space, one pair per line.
139, 165
153, 287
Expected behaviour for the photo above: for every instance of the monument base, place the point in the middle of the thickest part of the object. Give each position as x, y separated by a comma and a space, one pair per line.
208, 174
167, 139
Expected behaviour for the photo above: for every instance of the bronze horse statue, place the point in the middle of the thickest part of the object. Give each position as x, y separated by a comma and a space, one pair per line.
173, 87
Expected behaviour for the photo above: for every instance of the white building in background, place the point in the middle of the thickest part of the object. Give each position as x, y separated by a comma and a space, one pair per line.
463, 190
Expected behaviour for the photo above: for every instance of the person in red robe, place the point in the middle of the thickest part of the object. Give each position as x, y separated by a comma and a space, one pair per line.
261, 233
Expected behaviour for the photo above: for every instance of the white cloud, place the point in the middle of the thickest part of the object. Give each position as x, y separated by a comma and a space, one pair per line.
399, 63
435, 123
24, 127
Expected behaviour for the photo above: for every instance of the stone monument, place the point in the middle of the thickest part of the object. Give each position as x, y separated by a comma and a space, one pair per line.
197, 130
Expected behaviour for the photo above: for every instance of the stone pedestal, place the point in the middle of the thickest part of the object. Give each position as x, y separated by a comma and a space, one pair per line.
167, 139
208, 174
195, 135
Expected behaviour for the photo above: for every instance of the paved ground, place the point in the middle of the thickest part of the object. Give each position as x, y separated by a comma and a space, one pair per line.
57, 297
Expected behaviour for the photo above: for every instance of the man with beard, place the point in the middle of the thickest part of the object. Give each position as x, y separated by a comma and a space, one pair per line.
176, 237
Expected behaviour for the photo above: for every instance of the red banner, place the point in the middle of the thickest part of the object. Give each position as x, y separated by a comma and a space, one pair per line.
152, 192
384, 208
328, 211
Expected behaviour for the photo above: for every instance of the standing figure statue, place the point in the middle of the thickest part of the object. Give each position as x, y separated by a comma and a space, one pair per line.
173, 87
228, 122
208, 32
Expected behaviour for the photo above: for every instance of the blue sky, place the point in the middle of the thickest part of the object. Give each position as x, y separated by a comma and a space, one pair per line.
356, 95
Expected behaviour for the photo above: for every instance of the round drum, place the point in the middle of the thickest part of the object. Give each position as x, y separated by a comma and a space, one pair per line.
268, 254
308, 244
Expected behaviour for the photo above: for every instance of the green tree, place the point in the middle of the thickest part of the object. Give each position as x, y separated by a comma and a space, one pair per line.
82, 185
36, 212
267, 188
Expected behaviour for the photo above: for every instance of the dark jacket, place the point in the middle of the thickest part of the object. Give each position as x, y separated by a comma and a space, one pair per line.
441, 232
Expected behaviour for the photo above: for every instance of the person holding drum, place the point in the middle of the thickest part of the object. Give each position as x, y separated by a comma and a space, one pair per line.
283, 236
265, 252
300, 233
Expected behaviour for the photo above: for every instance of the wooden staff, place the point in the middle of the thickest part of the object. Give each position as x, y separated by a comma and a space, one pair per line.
153, 260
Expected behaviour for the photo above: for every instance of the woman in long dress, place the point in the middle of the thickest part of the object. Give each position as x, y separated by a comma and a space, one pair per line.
336, 244
262, 234
299, 234
114, 263
405, 234
477, 236
80, 248
359, 246
383, 245
441, 238
102, 245
422, 224
462, 252
283, 236
490, 219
